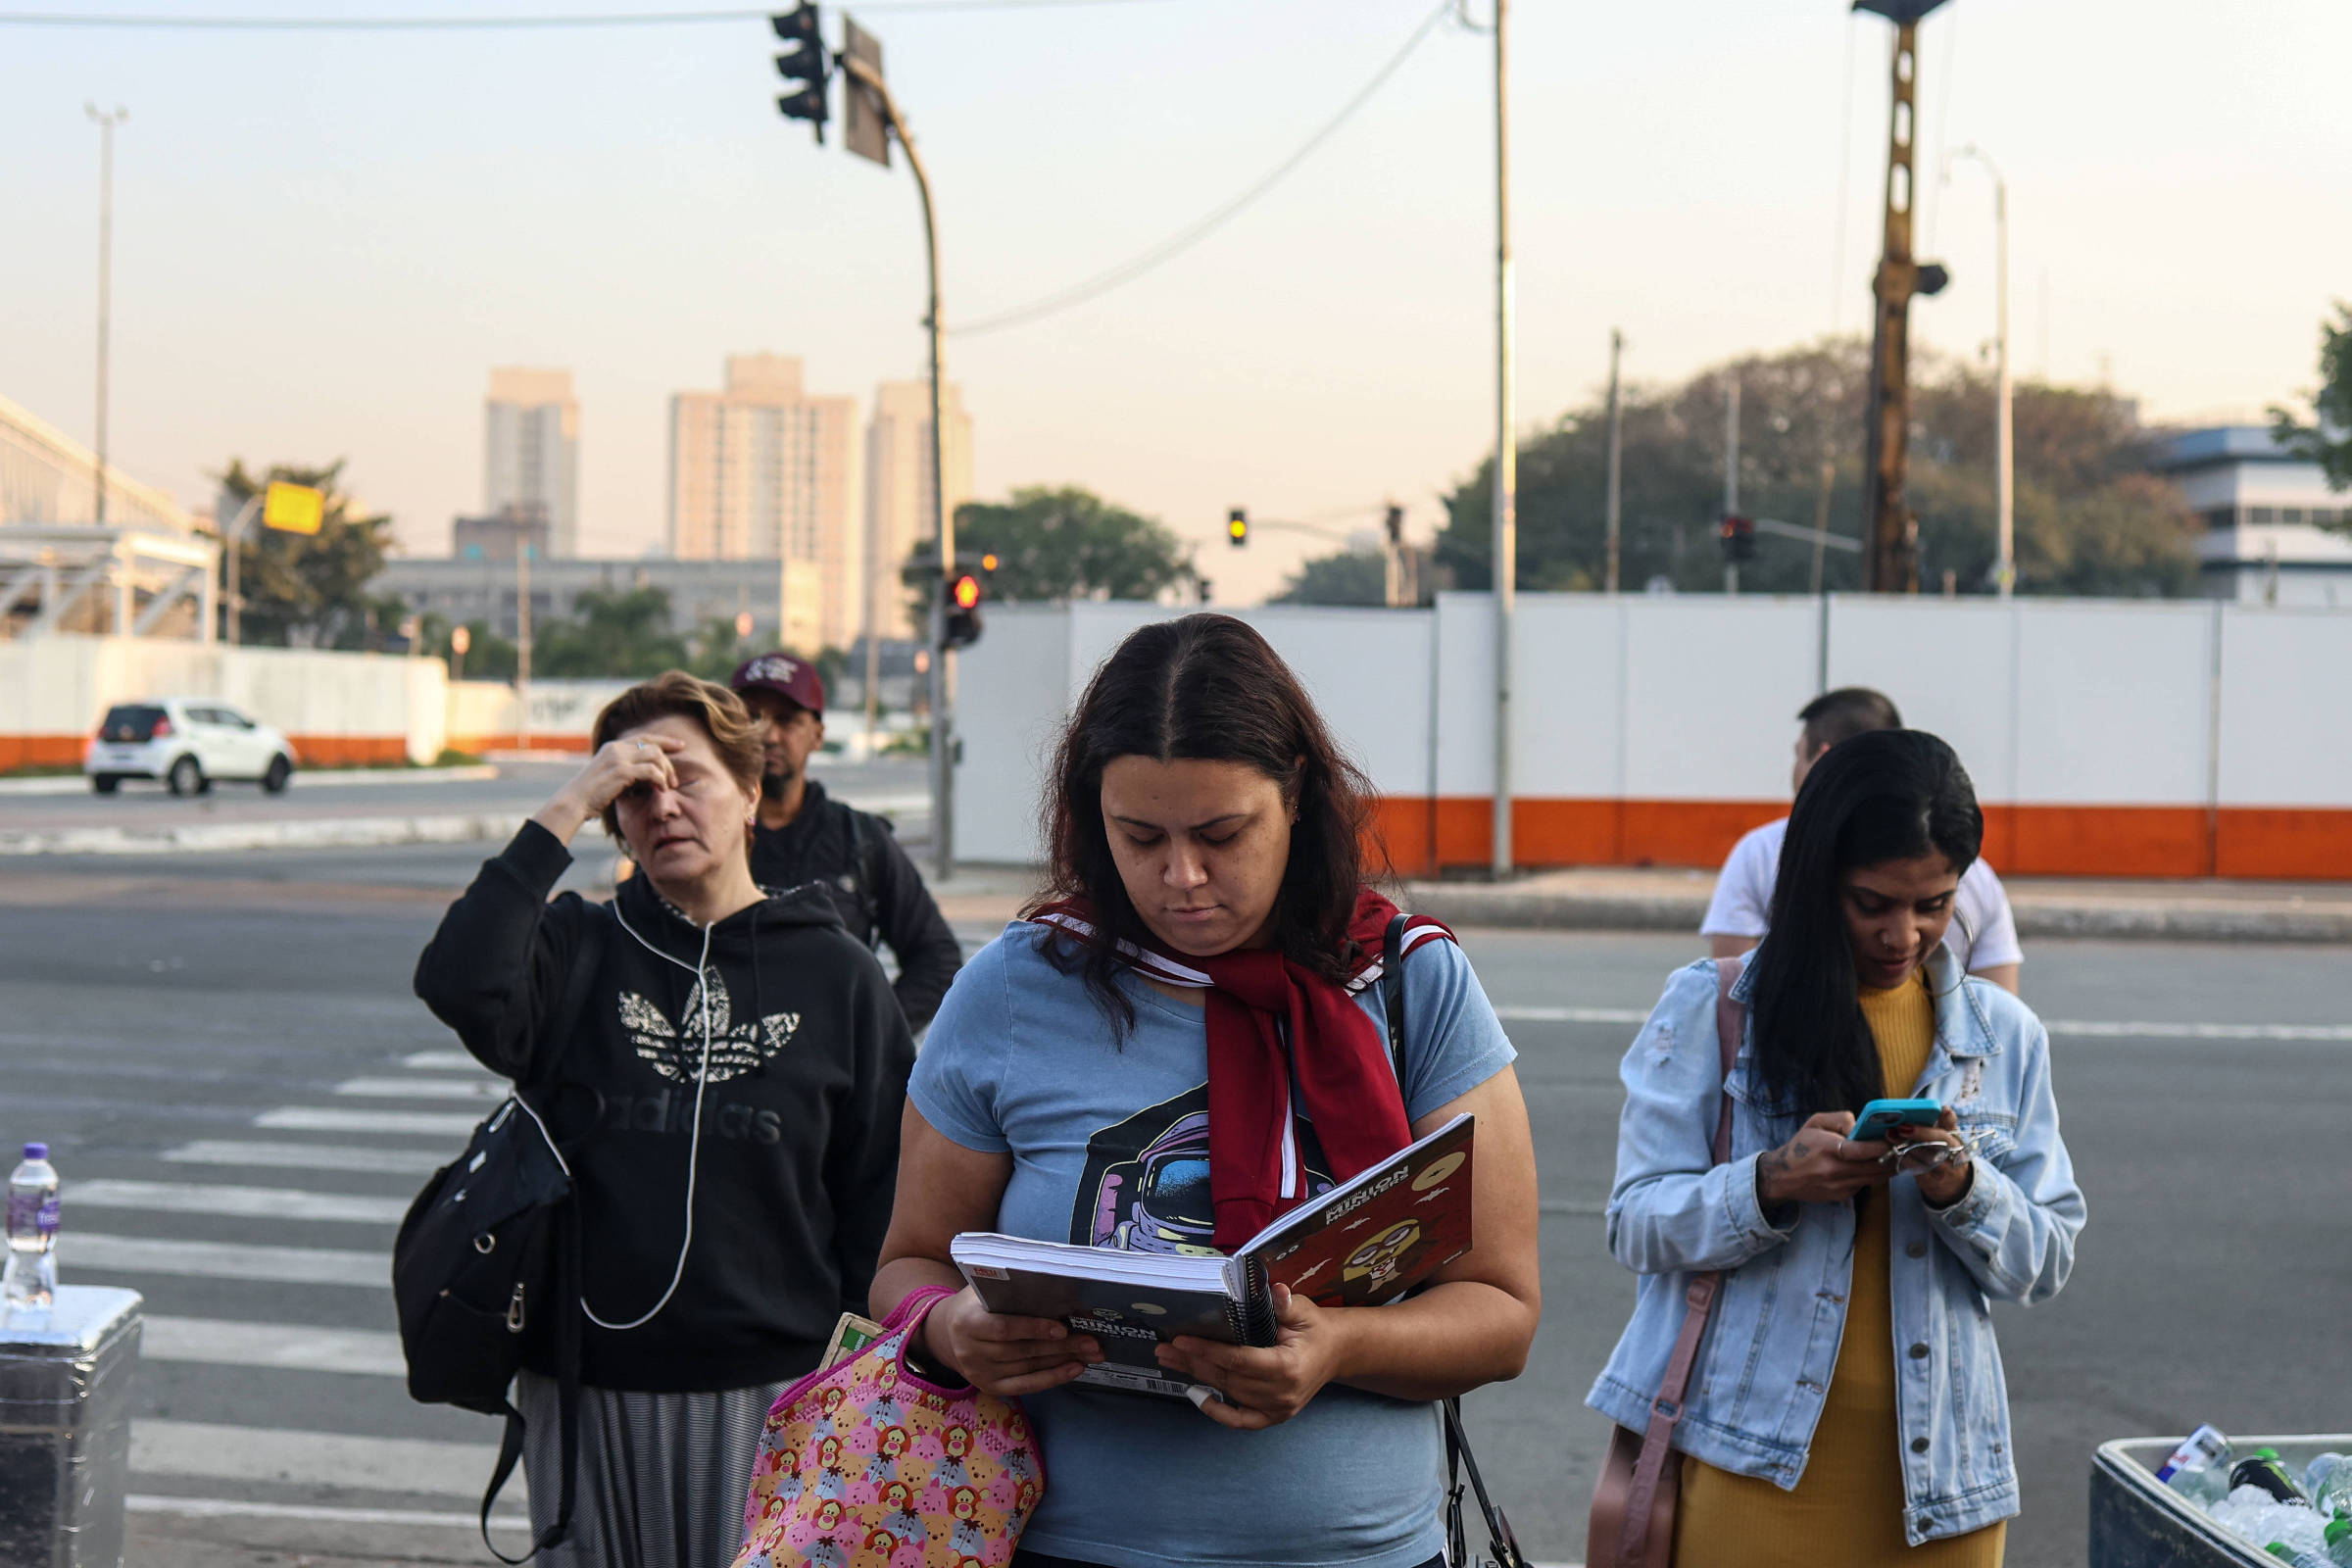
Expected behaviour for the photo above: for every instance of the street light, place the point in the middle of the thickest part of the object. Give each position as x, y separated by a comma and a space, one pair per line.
105, 123
2004, 449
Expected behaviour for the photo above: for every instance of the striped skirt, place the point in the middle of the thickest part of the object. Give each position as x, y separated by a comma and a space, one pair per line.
662, 1476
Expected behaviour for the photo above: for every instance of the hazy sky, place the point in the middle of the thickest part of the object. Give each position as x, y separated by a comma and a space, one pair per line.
323, 242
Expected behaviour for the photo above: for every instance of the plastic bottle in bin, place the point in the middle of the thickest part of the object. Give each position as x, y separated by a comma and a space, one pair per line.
2328, 1482
30, 1278
2263, 1468
2199, 1469
2339, 1541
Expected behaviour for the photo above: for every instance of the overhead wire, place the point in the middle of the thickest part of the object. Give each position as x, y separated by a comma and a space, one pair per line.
1184, 239
503, 22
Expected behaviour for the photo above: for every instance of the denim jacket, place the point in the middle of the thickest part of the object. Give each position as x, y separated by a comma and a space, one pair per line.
1764, 1369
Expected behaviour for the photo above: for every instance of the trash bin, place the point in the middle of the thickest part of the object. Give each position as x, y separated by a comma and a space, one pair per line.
65, 1427
2137, 1522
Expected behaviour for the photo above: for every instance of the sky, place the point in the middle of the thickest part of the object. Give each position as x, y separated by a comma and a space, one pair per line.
324, 242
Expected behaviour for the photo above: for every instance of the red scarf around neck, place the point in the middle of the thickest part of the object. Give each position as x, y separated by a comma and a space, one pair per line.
1340, 1057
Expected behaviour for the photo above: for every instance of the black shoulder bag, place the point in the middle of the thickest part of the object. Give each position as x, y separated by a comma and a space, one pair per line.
1502, 1547
486, 1272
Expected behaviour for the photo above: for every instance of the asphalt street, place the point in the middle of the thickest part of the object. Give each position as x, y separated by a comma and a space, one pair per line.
242, 1096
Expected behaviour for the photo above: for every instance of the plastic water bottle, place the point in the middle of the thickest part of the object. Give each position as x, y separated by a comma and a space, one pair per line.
2199, 1469
31, 1279
2327, 1480
2339, 1541
2299, 1559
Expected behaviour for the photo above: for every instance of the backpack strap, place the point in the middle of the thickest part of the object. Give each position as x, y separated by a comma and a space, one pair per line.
1657, 1441
862, 877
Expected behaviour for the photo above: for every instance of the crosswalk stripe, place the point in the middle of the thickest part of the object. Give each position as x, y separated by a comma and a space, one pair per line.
288, 1346
440, 1061
241, 1203
405, 1123
224, 1260
204, 1450
241, 1508
424, 1088
309, 1157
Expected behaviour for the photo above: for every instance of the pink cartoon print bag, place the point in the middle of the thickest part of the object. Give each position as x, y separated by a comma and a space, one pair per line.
868, 1466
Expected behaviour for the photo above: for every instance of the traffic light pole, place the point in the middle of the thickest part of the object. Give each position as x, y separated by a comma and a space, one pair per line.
943, 657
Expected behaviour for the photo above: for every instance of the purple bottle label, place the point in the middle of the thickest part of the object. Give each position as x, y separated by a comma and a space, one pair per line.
33, 1212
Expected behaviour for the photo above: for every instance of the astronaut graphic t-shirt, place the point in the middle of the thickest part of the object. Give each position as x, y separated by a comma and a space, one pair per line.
1109, 1141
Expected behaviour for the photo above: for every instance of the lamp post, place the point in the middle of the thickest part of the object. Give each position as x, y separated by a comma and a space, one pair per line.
106, 279
2004, 448
1506, 551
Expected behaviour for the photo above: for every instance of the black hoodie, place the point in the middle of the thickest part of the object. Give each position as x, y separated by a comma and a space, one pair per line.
800, 1119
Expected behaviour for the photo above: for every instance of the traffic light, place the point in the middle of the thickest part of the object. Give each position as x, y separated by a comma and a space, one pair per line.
959, 626
1396, 524
803, 65
1738, 537
988, 563
1236, 525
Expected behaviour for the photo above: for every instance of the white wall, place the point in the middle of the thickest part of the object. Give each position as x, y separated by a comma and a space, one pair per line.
2285, 737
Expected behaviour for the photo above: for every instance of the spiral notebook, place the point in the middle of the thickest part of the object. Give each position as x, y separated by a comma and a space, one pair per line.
1362, 1243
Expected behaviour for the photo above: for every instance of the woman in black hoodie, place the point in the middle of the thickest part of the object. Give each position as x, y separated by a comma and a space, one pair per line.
725, 1067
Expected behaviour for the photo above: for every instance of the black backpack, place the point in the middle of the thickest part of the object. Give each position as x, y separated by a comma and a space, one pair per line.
486, 1274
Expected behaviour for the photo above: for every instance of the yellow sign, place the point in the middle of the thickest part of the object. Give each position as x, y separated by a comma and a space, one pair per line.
294, 507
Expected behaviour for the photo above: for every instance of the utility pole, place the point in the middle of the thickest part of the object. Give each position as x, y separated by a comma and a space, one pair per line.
106, 281
1505, 544
522, 642
860, 60
1731, 474
1616, 464
1820, 519
2004, 448
1892, 531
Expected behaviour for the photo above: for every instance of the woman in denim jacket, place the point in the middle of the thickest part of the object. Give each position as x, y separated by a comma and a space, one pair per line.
1848, 1394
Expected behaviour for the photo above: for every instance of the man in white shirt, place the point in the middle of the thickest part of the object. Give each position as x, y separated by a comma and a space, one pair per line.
1983, 933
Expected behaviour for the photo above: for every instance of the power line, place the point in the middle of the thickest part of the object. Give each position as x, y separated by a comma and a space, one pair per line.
1186, 239
150, 21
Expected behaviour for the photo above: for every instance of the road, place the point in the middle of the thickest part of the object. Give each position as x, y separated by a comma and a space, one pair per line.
243, 1096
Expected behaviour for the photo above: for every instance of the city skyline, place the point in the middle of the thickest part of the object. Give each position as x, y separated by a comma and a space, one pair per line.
1329, 347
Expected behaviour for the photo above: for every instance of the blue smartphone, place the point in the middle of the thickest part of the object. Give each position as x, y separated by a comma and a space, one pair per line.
1883, 1116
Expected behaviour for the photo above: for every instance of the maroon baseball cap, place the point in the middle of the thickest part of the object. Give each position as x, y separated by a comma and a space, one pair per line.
796, 680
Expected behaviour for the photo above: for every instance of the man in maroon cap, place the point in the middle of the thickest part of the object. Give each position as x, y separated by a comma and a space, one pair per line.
805, 836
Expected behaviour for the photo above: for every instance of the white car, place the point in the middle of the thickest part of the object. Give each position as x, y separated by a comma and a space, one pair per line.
188, 742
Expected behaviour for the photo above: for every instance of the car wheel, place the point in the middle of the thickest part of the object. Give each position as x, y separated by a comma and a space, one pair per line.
104, 783
280, 770
186, 777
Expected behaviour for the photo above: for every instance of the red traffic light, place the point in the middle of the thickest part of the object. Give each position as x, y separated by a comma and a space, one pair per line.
967, 591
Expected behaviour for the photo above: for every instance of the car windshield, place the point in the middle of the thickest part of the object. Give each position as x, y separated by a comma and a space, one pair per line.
129, 721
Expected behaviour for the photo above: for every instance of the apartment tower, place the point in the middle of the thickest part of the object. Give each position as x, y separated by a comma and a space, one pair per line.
531, 450
898, 513
762, 471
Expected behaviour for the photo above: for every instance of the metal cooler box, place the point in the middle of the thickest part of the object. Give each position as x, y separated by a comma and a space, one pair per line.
65, 1429
2136, 1522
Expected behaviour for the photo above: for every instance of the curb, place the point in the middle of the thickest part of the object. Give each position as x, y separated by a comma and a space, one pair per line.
315, 833
307, 778
2216, 920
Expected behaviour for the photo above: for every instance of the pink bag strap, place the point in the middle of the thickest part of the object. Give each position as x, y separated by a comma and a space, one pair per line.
1657, 1441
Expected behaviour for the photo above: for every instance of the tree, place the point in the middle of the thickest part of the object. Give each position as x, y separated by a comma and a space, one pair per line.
622, 632
1343, 577
310, 590
1064, 543
2088, 522
2327, 439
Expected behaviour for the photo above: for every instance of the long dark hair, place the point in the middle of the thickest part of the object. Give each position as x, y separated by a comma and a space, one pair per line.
1889, 795
1206, 688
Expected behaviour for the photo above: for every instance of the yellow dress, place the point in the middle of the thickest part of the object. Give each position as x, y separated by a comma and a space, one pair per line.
1849, 1507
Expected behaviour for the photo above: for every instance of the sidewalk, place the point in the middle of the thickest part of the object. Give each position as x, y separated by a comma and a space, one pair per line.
1627, 899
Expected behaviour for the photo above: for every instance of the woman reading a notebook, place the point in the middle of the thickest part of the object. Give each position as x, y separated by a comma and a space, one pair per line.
1184, 1042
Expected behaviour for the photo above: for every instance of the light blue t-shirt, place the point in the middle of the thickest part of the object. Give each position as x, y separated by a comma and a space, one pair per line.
1110, 1148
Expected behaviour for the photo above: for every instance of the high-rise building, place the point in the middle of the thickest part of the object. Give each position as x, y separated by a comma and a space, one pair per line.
764, 470
531, 450
898, 513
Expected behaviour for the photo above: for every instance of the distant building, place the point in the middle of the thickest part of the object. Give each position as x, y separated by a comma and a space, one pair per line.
763, 471
2263, 510
501, 538
531, 450
898, 513
480, 588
